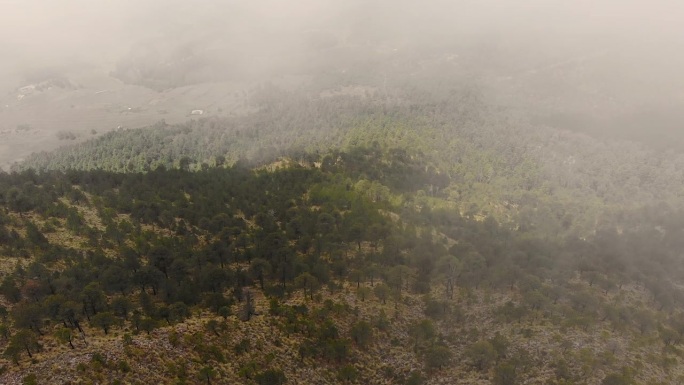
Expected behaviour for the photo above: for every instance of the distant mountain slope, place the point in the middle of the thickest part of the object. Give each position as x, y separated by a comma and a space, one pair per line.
486, 160
42, 116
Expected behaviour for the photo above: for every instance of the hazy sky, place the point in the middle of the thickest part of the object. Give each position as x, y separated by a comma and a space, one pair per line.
62, 30
640, 34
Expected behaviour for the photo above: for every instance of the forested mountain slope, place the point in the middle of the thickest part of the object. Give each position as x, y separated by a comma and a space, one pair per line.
451, 238
343, 193
344, 273
484, 160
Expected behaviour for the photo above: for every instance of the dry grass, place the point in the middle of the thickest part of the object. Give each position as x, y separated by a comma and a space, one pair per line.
151, 357
590, 352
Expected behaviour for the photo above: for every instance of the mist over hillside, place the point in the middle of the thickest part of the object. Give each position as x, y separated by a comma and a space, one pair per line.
607, 67
342, 192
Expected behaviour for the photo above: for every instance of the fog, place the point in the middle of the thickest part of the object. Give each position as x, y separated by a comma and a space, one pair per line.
62, 32
599, 66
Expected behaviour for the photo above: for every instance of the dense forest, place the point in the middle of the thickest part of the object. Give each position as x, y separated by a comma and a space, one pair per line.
318, 263
483, 159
